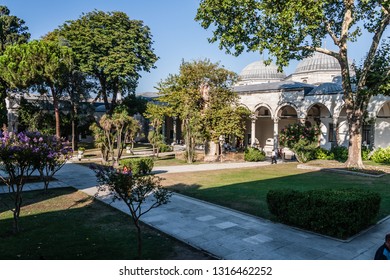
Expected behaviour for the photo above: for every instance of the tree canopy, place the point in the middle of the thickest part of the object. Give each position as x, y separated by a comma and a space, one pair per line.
40, 64
111, 48
294, 29
12, 31
201, 96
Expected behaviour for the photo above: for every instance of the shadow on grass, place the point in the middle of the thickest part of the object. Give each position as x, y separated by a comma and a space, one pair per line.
68, 225
249, 195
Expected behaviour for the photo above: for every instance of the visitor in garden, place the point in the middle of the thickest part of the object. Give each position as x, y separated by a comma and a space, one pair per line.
383, 252
273, 157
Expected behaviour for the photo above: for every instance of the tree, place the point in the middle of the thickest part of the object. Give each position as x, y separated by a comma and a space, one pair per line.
19, 159
40, 64
201, 96
12, 31
110, 48
113, 131
294, 29
156, 114
133, 191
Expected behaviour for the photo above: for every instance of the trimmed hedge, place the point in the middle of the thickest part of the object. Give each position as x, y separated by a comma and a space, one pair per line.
139, 166
339, 213
253, 154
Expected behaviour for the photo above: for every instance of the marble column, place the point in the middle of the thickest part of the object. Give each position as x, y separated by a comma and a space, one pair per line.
253, 130
175, 130
276, 133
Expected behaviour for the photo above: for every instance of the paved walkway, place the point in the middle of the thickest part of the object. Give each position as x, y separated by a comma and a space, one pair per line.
228, 234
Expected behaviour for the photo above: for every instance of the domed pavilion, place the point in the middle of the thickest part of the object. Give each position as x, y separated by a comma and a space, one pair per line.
312, 94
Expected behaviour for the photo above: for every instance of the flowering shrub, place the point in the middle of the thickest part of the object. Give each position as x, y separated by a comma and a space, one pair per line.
20, 155
53, 154
133, 190
302, 140
18, 159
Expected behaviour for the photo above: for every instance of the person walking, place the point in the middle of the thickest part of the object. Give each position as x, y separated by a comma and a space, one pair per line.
383, 252
273, 157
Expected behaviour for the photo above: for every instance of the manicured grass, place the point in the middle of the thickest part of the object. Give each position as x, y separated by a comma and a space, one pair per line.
67, 224
246, 189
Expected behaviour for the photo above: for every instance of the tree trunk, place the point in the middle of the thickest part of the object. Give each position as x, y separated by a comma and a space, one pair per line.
56, 113
139, 239
16, 212
355, 119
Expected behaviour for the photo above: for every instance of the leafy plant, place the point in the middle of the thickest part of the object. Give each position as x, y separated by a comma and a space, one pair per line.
381, 155
253, 154
133, 191
302, 140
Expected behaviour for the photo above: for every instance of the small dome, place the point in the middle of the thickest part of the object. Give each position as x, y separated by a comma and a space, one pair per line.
258, 72
318, 62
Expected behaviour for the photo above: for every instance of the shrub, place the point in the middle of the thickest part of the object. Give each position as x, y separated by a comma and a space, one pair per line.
253, 154
340, 153
302, 140
164, 148
381, 155
321, 153
365, 153
338, 213
139, 166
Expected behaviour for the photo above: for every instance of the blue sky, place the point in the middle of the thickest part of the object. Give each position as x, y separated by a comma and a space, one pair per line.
175, 33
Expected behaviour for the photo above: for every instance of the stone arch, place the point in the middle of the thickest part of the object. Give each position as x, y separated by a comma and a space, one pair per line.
382, 126
262, 125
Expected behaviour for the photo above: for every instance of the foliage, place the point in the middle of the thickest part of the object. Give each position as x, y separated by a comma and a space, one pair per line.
201, 97
253, 154
302, 140
39, 64
111, 48
133, 191
52, 152
135, 104
294, 29
156, 139
366, 153
138, 166
163, 148
12, 31
339, 153
19, 160
339, 213
21, 155
381, 155
113, 131
321, 153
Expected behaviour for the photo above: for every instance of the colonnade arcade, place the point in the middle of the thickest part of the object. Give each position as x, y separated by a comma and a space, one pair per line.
266, 124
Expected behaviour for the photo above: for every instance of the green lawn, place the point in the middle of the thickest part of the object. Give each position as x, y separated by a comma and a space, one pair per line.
246, 189
68, 225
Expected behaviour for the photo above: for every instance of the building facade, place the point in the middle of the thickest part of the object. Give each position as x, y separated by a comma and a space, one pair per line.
312, 95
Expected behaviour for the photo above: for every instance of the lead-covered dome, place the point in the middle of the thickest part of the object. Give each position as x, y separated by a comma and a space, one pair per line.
318, 62
258, 72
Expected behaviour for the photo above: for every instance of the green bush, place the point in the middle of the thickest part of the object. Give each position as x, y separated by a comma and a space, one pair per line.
139, 166
365, 153
381, 155
164, 148
339, 153
321, 153
338, 213
253, 154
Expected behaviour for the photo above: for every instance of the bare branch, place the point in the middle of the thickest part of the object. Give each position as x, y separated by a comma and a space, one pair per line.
331, 33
